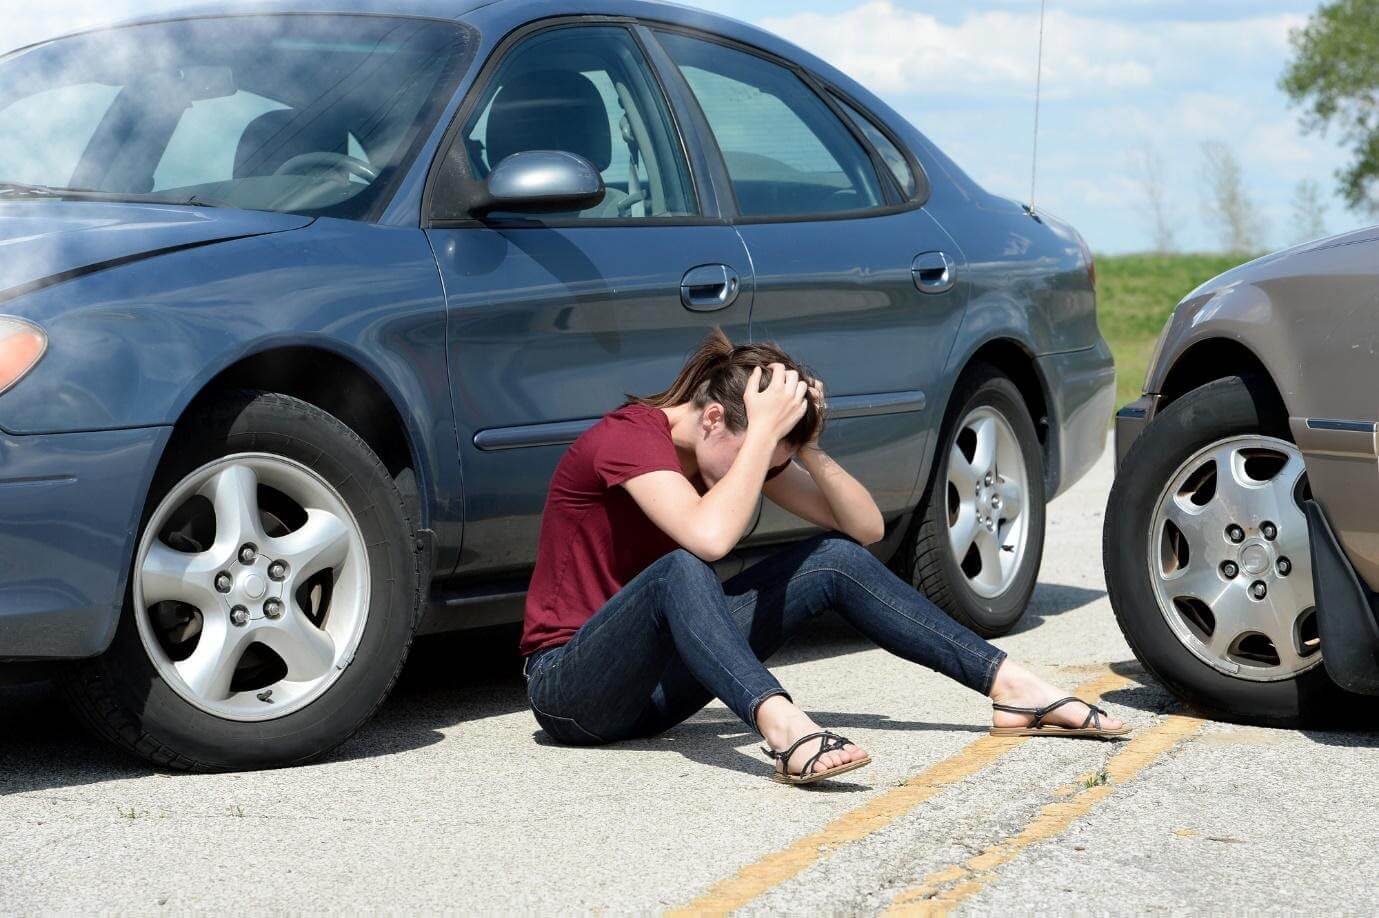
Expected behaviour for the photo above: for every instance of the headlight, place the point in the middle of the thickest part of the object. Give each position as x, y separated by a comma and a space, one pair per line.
21, 345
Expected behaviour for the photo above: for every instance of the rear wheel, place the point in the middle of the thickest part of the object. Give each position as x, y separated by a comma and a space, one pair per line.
978, 537
1208, 563
273, 595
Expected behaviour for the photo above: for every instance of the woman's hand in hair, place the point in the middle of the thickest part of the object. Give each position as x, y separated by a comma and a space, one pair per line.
816, 392
777, 408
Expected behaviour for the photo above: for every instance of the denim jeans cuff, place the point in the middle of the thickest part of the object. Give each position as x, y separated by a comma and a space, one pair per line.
990, 679
756, 703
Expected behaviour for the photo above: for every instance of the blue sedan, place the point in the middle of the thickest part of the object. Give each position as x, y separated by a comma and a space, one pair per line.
299, 307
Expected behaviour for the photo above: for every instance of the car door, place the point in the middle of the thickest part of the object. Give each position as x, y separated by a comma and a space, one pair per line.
853, 277
553, 318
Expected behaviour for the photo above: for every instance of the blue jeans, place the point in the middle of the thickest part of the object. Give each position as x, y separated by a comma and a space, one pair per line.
675, 636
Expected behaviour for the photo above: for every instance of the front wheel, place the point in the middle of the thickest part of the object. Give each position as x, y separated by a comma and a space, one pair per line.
978, 537
272, 599
1208, 562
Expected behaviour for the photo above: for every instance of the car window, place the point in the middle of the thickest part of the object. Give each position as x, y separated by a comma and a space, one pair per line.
47, 131
787, 153
894, 159
586, 90
312, 113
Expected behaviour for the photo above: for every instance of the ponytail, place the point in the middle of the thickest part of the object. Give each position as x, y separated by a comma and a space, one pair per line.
718, 371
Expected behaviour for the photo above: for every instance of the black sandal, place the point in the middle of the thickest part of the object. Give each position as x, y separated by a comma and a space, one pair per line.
1037, 727
831, 742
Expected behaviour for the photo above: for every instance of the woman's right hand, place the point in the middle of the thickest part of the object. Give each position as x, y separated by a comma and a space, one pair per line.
779, 407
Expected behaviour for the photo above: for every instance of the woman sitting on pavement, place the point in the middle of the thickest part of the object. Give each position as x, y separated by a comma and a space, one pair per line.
628, 629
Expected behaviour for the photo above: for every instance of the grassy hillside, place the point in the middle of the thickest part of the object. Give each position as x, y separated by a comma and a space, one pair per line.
1135, 294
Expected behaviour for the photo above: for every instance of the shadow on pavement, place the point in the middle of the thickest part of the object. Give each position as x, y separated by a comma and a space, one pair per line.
1052, 599
448, 679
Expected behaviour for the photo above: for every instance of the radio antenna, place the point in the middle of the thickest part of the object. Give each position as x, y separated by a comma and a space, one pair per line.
1038, 81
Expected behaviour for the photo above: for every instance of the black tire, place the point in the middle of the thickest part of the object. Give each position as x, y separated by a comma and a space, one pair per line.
1228, 407
925, 557
122, 697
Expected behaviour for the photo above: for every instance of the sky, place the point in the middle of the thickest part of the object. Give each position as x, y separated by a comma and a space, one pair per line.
1120, 78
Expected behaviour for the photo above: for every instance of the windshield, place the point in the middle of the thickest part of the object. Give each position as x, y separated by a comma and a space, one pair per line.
298, 113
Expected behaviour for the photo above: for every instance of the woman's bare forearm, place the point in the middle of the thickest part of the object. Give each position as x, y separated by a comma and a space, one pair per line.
726, 509
853, 507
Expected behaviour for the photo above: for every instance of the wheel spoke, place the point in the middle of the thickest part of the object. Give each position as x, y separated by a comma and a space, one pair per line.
234, 494
984, 454
960, 473
322, 542
308, 651
173, 575
1235, 614
990, 552
963, 530
211, 666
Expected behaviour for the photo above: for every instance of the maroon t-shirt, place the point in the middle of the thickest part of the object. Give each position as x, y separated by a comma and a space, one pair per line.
594, 538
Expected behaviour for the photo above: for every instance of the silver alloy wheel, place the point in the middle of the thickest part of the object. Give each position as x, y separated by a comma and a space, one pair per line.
251, 612
1230, 559
988, 526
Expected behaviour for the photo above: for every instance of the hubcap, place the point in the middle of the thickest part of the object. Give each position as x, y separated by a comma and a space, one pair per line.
221, 628
987, 488
1230, 561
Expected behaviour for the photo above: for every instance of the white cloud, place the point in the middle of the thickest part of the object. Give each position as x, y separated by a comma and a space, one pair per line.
893, 49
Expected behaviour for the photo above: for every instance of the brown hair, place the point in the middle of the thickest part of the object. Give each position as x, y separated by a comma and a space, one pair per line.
718, 371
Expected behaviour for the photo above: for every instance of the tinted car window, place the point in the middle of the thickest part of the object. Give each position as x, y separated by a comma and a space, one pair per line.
894, 159
586, 90
303, 113
786, 152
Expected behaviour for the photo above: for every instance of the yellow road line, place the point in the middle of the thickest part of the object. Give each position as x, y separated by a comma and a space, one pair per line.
945, 889
774, 869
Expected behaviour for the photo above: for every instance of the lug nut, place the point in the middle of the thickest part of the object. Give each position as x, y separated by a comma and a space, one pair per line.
996, 502
988, 479
1230, 570
1258, 590
1268, 530
1285, 567
273, 608
277, 570
1235, 533
239, 616
248, 553
223, 582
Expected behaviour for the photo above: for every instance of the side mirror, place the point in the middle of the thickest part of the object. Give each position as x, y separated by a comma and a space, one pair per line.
540, 181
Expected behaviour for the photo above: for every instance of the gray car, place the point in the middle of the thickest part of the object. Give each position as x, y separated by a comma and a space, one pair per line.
1242, 533
289, 366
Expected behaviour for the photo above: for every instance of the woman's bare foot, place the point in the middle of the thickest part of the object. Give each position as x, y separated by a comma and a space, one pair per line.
1015, 685
782, 723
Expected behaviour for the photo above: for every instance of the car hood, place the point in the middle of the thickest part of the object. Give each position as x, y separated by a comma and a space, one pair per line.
1268, 265
42, 241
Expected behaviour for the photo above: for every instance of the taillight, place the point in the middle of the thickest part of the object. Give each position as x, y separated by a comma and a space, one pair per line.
21, 345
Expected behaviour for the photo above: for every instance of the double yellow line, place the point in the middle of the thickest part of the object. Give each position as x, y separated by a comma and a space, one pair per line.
954, 883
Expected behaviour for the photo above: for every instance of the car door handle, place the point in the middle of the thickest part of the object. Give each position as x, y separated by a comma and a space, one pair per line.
934, 272
709, 287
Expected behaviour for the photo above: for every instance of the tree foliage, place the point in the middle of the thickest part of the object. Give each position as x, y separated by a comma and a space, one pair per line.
1334, 76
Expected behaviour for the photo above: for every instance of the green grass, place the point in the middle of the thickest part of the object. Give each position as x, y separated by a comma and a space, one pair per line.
1135, 294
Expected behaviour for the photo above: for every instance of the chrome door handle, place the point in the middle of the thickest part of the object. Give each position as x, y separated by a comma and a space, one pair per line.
934, 272
709, 287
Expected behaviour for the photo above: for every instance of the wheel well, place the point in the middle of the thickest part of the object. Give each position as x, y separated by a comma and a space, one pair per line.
1218, 358
1013, 360
338, 387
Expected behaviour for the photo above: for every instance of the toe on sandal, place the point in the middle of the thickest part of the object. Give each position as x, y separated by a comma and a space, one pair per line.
1091, 726
830, 742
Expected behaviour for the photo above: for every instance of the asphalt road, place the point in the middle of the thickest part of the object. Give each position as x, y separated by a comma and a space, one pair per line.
453, 799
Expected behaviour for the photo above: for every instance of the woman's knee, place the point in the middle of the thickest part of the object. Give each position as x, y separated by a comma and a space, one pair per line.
683, 564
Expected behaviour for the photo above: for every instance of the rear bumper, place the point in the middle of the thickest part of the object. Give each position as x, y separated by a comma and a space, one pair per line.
1082, 395
69, 510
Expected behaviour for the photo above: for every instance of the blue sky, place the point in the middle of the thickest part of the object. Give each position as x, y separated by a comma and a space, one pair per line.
1120, 76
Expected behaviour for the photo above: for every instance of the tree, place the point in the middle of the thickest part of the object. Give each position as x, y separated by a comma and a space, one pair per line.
1148, 167
1309, 211
1227, 206
1334, 75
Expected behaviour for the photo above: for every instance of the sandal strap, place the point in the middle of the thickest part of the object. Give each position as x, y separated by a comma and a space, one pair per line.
830, 742
1046, 710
